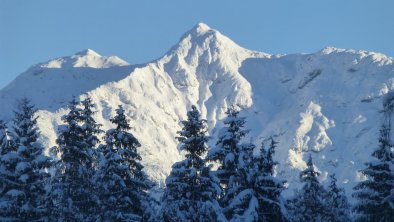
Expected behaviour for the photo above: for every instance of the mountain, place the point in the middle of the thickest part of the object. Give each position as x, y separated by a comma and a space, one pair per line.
50, 84
326, 103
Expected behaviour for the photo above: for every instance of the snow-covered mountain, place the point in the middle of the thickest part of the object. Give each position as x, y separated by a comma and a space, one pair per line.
325, 103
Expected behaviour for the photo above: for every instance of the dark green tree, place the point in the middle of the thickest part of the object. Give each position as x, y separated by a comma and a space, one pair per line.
9, 189
191, 188
266, 186
26, 168
308, 204
123, 186
91, 129
337, 205
73, 195
235, 161
376, 194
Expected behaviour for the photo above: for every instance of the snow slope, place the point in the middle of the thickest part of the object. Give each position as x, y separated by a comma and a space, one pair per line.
325, 103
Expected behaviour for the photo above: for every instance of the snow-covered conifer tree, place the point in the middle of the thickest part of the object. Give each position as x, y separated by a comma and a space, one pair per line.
91, 129
267, 187
337, 205
9, 189
73, 194
25, 194
375, 195
235, 162
7, 139
228, 146
308, 204
123, 186
191, 188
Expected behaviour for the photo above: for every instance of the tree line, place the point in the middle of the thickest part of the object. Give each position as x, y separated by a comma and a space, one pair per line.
92, 175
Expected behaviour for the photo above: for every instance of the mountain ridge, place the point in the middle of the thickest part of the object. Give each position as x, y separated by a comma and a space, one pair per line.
324, 103
85, 58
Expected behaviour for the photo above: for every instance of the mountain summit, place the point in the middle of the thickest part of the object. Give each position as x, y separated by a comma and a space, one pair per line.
325, 103
85, 58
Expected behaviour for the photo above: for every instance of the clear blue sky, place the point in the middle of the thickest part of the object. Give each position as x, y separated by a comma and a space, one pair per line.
140, 31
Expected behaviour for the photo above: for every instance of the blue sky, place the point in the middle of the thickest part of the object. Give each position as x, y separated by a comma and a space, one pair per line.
140, 31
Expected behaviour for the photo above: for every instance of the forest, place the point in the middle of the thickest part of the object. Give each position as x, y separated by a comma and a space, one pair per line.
95, 175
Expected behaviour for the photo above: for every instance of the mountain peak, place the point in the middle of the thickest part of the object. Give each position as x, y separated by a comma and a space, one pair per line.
85, 58
205, 43
330, 49
325, 103
87, 52
201, 28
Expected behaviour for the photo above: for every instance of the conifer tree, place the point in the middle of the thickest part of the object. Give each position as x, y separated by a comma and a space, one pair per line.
91, 129
308, 204
28, 177
228, 145
375, 195
267, 186
191, 188
9, 189
7, 139
123, 184
235, 162
73, 192
338, 208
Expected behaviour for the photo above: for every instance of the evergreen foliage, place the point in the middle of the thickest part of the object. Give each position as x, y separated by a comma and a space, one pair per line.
191, 188
73, 192
8, 181
23, 167
90, 127
376, 194
235, 162
228, 146
7, 140
267, 186
108, 183
123, 184
308, 204
337, 205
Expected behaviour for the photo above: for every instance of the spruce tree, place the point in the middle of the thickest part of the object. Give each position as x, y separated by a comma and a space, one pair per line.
123, 186
235, 162
91, 129
9, 189
267, 186
26, 196
73, 192
228, 146
337, 205
376, 194
191, 188
308, 204
7, 140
